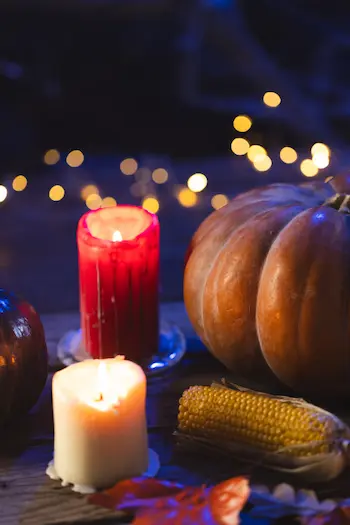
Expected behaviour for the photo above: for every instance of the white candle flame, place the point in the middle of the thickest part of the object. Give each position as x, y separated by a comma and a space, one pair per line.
117, 236
109, 395
102, 381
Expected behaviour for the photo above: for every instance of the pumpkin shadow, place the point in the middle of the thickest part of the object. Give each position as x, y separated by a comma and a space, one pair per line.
26, 431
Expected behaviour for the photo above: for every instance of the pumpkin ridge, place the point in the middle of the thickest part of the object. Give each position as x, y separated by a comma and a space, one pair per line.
206, 271
222, 247
205, 280
277, 218
275, 242
301, 361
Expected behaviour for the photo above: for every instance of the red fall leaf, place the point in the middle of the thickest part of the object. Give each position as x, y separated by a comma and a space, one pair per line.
155, 502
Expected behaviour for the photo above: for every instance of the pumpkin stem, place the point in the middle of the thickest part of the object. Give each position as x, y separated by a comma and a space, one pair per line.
340, 202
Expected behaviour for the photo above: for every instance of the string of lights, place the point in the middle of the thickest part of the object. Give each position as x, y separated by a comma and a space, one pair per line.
258, 156
145, 181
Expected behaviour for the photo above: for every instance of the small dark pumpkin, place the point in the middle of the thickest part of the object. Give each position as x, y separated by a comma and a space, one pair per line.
23, 356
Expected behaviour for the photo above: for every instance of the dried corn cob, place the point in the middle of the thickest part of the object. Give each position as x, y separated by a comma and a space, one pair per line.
282, 433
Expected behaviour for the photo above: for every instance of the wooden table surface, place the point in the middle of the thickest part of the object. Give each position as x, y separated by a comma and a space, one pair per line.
28, 496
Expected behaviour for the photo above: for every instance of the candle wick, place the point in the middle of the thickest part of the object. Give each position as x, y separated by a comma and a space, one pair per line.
100, 397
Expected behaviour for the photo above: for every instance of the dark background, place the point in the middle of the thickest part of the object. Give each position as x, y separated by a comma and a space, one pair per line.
160, 81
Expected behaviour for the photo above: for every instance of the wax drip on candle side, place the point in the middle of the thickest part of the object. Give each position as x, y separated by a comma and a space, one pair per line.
151, 472
82, 489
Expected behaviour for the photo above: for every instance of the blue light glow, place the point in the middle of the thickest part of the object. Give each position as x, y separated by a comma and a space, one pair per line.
157, 364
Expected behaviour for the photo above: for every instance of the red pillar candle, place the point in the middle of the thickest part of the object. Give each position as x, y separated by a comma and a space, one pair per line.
119, 273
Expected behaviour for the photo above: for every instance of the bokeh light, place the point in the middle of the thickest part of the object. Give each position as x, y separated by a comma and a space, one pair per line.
263, 163
187, 198
75, 158
93, 201
256, 153
88, 190
143, 175
139, 189
56, 193
197, 182
128, 166
219, 201
160, 176
320, 148
51, 157
308, 168
239, 146
3, 193
272, 99
150, 204
19, 183
242, 123
288, 155
108, 202
320, 160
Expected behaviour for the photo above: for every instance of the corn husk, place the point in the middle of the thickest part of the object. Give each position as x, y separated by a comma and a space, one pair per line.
315, 468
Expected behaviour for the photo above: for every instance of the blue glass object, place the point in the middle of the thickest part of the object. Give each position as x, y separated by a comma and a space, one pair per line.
171, 349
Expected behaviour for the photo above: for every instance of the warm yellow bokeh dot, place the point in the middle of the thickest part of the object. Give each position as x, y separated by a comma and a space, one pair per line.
320, 160
197, 182
219, 201
19, 183
108, 202
256, 153
187, 198
150, 204
56, 193
88, 190
320, 148
160, 176
51, 157
263, 163
93, 201
75, 158
272, 99
128, 166
242, 123
239, 146
308, 168
3, 193
288, 155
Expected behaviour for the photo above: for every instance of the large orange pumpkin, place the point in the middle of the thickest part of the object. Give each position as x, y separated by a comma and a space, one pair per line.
267, 280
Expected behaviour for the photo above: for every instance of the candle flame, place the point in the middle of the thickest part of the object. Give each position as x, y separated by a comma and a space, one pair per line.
117, 236
102, 381
108, 393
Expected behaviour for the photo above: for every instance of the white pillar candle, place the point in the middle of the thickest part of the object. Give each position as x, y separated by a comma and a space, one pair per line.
100, 422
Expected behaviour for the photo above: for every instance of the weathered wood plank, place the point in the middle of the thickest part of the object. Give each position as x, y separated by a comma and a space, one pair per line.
28, 497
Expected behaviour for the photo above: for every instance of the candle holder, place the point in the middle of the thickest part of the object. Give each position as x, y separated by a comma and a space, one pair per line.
171, 349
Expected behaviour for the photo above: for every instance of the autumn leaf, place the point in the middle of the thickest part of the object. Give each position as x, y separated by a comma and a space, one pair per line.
339, 516
133, 493
156, 502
